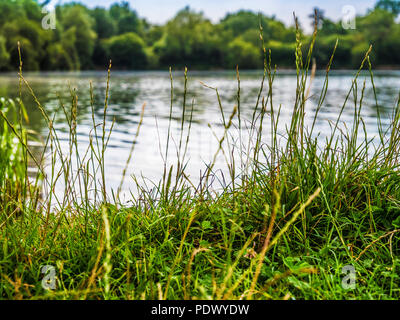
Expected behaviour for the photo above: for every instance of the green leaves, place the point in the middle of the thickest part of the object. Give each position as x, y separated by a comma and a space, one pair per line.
396, 222
127, 51
206, 225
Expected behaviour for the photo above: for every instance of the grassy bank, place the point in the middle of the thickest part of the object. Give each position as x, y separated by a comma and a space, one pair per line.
307, 207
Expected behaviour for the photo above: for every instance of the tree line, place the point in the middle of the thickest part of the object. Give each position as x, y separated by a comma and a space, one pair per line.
87, 38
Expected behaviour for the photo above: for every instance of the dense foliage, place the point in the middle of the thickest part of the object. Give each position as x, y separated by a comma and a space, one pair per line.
86, 38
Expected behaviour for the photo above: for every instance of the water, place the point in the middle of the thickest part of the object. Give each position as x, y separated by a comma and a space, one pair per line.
130, 90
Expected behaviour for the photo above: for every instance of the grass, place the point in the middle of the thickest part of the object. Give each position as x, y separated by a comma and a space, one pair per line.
297, 210
12, 164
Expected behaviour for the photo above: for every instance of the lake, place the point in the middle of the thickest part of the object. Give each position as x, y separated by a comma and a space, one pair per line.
130, 90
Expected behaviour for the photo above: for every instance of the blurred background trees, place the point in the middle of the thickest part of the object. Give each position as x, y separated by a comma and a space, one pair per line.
86, 38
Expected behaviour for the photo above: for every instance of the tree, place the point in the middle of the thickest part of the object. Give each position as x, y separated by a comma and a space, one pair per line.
247, 24
153, 34
75, 19
240, 22
282, 54
104, 25
86, 38
324, 48
10, 11
329, 28
126, 19
4, 55
276, 30
190, 40
380, 30
60, 59
32, 39
244, 55
389, 5
127, 51
32, 9
318, 17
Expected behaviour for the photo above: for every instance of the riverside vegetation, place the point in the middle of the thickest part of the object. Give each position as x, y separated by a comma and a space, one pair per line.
85, 38
305, 207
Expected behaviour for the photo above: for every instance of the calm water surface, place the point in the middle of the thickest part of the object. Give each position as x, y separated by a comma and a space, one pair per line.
129, 90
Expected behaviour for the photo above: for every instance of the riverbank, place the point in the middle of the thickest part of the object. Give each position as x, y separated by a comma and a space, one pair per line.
303, 216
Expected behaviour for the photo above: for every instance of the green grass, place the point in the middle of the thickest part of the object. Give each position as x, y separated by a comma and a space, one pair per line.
308, 206
12, 158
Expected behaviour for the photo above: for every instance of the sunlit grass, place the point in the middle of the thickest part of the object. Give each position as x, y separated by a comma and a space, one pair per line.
306, 207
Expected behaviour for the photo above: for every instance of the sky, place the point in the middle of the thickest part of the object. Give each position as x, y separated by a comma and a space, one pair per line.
160, 11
